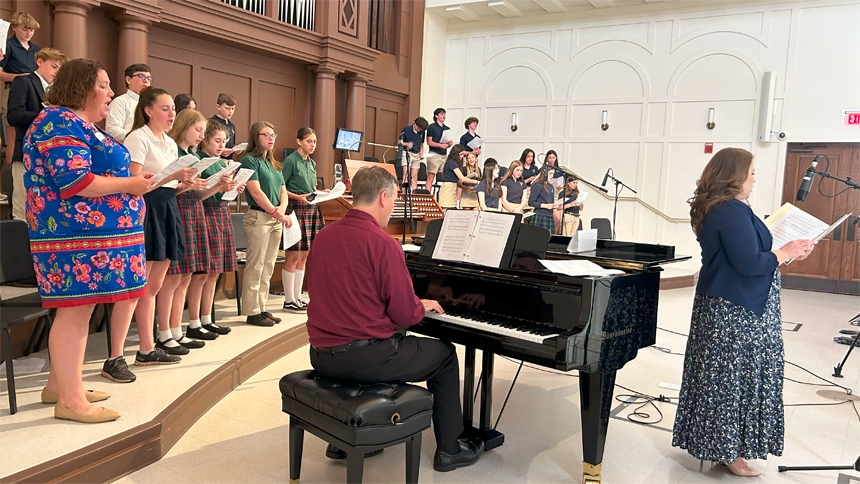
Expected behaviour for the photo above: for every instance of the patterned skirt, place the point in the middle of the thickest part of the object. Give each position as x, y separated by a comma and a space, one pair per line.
310, 220
730, 404
196, 239
222, 245
543, 221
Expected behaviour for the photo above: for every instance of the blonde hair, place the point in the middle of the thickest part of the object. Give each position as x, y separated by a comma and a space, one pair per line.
183, 121
254, 148
50, 54
509, 173
24, 19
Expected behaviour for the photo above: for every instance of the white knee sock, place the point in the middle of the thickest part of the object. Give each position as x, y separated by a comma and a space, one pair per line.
287, 279
297, 285
163, 336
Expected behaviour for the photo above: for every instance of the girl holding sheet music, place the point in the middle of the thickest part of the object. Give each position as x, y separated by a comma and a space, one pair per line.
570, 207
489, 190
300, 178
151, 149
541, 199
219, 227
263, 223
452, 174
469, 169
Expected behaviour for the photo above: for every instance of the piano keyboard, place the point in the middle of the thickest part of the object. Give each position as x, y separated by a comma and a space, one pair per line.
536, 335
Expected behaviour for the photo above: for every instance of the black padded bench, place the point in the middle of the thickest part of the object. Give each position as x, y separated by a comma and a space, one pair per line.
357, 419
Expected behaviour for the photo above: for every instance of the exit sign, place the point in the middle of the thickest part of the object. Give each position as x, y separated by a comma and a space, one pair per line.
852, 118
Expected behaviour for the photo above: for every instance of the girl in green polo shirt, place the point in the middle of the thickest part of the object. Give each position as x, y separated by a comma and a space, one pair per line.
263, 222
300, 177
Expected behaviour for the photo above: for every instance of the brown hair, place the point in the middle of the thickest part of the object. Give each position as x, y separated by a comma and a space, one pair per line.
509, 173
75, 83
470, 120
184, 120
49, 54
147, 99
226, 98
567, 191
421, 123
454, 154
24, 19
489, 166
212, 128
254, 148
722, 180
304, 132
369, 182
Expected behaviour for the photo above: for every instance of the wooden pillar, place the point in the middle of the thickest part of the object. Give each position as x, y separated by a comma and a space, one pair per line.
324, 122
70, 27
133, 46
356, 106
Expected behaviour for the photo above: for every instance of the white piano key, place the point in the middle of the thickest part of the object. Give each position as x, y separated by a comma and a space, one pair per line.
490, 328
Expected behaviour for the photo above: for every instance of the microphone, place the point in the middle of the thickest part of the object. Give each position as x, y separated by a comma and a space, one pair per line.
338, 174
806, 181
605, 177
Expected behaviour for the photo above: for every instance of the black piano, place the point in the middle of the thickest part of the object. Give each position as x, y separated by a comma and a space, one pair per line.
591, 324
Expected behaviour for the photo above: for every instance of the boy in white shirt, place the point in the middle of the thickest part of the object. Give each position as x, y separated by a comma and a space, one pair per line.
121, 115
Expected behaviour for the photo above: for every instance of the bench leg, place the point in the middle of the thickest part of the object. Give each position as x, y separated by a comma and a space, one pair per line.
413, 458
297, 435
354, 467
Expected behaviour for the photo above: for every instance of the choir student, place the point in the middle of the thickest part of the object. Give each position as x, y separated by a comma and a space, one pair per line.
489, 190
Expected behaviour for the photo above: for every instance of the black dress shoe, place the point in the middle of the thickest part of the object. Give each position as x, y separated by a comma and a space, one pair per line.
214, 328
470, 451
333, 452
171, 350
192, 344
197, 334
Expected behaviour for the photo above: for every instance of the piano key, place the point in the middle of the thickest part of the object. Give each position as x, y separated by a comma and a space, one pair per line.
508, 330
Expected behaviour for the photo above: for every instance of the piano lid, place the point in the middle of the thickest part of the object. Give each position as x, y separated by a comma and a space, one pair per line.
617, 254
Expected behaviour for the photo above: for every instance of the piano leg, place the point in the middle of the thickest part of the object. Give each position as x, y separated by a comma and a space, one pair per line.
468, 387
595, 395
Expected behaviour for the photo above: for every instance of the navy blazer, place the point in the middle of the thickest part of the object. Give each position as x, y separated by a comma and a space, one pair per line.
25, 102
737, 262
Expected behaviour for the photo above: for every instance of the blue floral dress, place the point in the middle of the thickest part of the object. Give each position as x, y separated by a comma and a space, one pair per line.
85, 250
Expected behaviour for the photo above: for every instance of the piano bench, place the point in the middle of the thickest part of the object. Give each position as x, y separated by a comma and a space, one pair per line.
355, 418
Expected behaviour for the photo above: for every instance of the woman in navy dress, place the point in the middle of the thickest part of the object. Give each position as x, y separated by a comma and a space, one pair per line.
85, 213
730, 406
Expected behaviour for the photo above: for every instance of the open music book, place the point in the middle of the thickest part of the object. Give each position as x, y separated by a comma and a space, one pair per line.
791, 223
474, 236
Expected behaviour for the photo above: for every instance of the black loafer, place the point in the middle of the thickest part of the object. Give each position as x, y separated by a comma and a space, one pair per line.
171, 350
470, 452
214, 328
197, 334
192, 344
333, 452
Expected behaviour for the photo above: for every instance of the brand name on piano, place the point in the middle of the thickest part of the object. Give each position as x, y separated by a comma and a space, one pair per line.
617, 333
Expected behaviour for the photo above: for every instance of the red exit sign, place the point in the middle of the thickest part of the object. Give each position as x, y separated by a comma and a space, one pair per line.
852, 118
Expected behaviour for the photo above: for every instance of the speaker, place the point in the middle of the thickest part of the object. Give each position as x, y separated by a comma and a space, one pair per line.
765, 114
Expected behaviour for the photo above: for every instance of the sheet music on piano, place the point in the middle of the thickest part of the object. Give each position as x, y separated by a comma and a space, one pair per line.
474, 236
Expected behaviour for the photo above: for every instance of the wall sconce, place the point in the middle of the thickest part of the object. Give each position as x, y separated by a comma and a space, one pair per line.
711, 123
513, 121
604, 125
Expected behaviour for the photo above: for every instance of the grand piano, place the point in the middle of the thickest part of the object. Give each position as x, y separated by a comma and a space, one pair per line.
594, 325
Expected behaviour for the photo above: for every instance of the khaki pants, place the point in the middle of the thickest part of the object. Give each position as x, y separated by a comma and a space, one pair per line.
19, 193
263, 238
571, 224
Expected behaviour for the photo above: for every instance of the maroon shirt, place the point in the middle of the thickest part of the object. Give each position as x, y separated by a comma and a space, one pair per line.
358, 284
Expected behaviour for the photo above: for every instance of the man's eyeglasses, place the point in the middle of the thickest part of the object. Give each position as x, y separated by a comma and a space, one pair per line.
143, 77
269, 136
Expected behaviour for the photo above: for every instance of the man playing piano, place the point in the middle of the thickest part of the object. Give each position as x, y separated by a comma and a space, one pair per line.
360, 295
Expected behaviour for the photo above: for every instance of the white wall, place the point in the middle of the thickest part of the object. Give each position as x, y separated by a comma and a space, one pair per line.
656, 74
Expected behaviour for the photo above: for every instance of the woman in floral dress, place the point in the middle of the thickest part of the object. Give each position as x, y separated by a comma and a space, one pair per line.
85, 214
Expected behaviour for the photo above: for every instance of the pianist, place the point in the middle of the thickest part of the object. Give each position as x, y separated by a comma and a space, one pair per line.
361, 293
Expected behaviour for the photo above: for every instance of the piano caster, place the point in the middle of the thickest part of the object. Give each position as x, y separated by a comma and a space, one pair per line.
591, 473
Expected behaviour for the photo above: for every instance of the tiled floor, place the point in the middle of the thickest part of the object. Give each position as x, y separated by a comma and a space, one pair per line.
244, 438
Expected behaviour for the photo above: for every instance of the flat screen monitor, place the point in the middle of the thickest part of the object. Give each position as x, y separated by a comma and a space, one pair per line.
347, 140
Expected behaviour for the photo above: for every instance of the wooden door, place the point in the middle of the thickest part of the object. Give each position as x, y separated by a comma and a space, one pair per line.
833, 265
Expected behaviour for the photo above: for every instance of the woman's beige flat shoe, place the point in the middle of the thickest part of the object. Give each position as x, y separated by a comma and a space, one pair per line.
93, 396
746, 471
63, 413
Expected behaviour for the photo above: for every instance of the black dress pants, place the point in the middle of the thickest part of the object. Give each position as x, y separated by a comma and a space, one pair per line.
405, 359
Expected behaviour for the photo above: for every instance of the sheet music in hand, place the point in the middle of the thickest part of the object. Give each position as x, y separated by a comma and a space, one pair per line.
475, 143
229, 169
292, 234
791, 223
180, 163
335, 192
242, 177
474, 236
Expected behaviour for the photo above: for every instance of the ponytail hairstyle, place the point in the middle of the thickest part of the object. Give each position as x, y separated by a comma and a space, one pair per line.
212, 128
489, 167
255, 149
148, 96
304, 132
722, 180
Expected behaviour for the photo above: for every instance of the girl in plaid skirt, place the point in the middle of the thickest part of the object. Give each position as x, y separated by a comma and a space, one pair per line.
542, 200
221, 250
300, 177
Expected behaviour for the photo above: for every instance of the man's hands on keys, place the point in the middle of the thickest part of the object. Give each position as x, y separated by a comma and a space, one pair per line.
431, 305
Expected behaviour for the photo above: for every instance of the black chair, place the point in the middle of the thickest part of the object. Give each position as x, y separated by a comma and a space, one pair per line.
15, 266
603, 226
398, 169
421, 191
357, 419
288, 152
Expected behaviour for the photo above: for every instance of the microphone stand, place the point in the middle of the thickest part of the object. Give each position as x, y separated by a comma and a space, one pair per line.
567, 172
619, 187
407, 193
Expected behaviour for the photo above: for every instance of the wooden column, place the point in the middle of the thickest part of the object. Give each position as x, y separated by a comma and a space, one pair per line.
70, 27
133, 45
356, 106
324, 122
